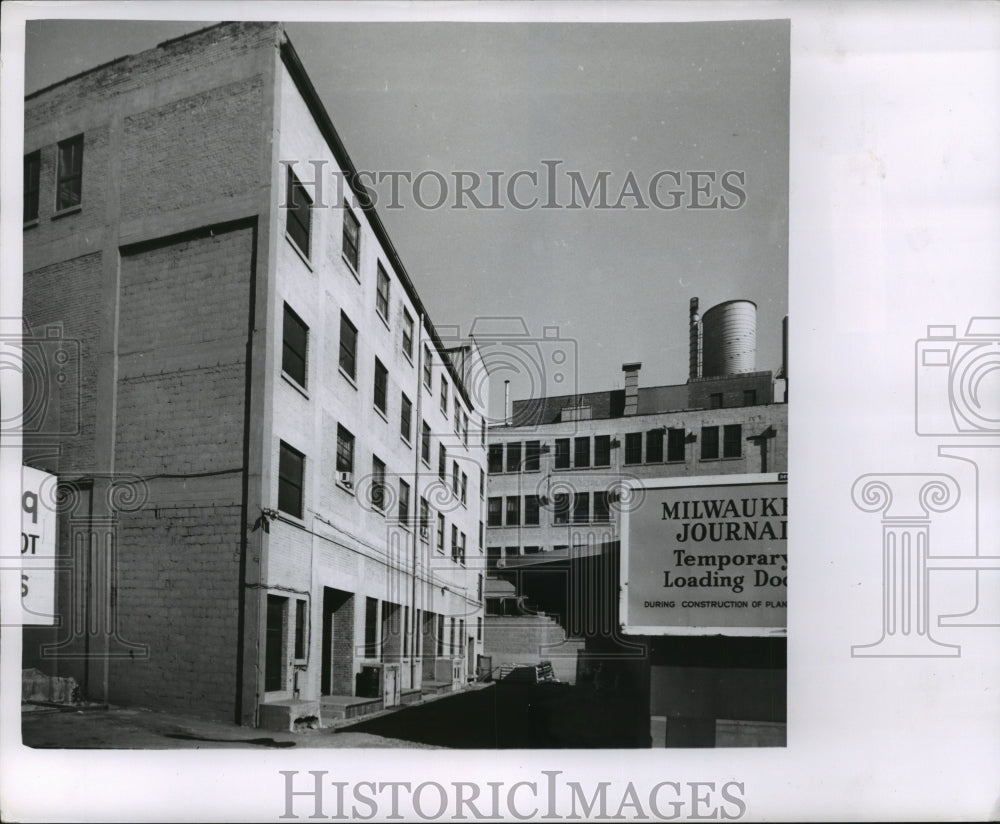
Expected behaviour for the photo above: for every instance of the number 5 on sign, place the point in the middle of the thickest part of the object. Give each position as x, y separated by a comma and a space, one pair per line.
38, 546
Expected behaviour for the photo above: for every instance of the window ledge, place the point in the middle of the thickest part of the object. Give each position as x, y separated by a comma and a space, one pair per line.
69, 210
347, 377
350, 267
409, 357
385, 320
31, 224
381, 413
302, 255
348, 489
298, 387
405, 440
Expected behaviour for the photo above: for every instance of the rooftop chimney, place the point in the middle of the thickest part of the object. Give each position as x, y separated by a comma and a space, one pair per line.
631, 371
694, 364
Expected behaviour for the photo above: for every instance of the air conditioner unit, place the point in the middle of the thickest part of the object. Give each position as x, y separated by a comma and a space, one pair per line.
501, 563
425, 531
346, 479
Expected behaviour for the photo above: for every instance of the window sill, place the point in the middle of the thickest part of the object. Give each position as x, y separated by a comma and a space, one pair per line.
347, 377
425, 462
385, 320
298, 387
381, 413
69, 210
348, 489
302, 255
406, 440
30, 224
351, 268
729, 458
408, 356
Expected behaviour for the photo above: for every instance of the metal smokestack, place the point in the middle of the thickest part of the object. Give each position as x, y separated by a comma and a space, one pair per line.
694, 365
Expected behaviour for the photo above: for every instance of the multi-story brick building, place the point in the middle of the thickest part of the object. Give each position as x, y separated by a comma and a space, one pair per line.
301, 460
562, 468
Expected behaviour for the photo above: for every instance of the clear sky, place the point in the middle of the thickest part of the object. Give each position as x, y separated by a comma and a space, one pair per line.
499, 97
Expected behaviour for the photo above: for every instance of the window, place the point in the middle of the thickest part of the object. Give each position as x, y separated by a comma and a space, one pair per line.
462, 545
454, 478
494, 511
482, 433
581, 453
440, 535
749, 397
427, 366
442, 461
479, 620
513, 511
290, 463
531, 510
532, 449
407, 335
69, 183
465, 485
492, 558
458, 415
495, 458
654, 446
32, 184
581, 507
348, 346
293, 347
381, 386
482, 531
404, 502
482, 484
352, 238
345, 450
444, 396
675, 444
298, 218
560, 508
382, 293
709, 442
465, 429
425, 443
300, 629
371, 627
405, 417
425, 518
732, 440
602, 450
378, 484
633, 448
715, 400
562, 453
601, 509
454, 542
513, 456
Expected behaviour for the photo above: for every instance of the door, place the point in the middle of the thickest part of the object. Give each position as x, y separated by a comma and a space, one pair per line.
274, 670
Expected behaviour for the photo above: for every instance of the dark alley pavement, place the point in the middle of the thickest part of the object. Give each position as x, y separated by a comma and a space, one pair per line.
500, 716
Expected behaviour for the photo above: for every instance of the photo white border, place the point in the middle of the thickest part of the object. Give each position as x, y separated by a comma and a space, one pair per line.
893, 215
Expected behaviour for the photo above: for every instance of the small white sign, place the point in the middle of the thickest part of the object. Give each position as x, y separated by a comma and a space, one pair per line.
38, 547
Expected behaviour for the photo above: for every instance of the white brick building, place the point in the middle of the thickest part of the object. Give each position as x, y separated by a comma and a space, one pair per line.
306, 461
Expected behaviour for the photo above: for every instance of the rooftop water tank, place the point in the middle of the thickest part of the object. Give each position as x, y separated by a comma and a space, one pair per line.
729, 338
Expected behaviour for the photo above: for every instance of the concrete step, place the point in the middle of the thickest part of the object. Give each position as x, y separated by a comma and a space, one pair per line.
339, 707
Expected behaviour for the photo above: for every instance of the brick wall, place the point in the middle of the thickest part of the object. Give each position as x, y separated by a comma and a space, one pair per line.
66, 297
177, 587
181, 382
172, 155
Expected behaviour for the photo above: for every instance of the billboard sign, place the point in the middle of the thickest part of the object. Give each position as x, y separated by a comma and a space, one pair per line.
38, 547
705, 556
